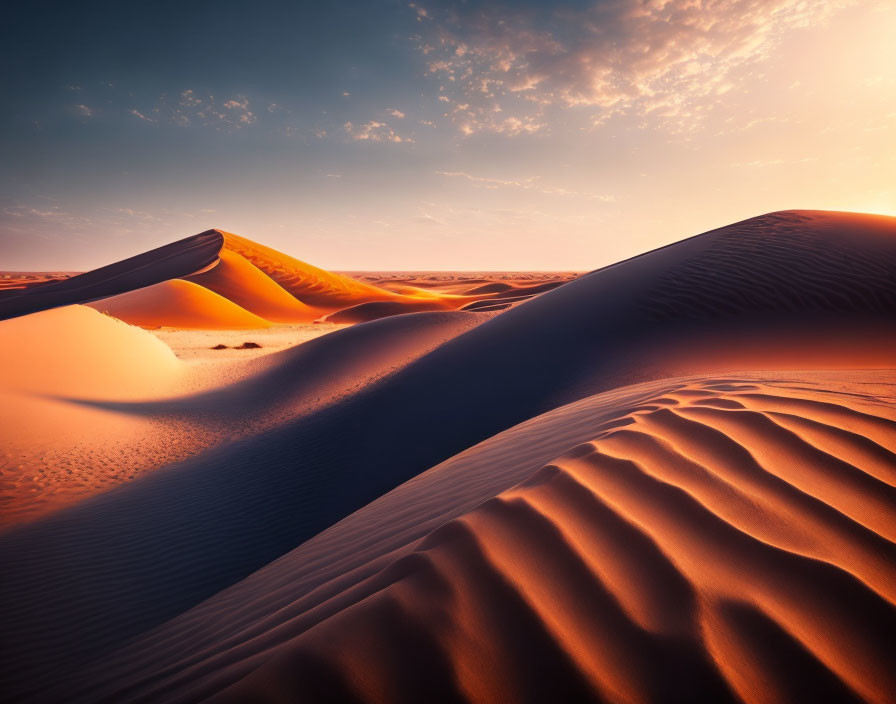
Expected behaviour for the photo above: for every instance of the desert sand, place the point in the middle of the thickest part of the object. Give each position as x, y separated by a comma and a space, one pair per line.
671, 479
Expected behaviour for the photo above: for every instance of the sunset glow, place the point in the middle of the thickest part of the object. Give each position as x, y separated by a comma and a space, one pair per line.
439, 135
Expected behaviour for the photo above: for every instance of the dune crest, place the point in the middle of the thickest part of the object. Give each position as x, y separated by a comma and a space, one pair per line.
311, 285
237, 280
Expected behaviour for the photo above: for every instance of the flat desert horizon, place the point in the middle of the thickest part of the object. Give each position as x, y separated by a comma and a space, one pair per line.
468, 351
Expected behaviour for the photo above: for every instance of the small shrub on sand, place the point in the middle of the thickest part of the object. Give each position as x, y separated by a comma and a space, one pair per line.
219, 347
248, 346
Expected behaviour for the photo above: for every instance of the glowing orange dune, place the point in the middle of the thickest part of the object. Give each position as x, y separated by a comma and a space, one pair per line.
313, 286
178, 303
269, 284
234, 278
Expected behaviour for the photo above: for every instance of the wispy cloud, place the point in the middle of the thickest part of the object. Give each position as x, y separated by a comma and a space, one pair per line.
374, 131
533, 183
503, 65
190, 108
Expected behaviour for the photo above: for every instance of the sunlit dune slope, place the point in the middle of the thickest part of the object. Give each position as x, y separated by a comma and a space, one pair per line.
75, 350
181, 258
178, 303
785, 291
313, 286
261, 280
47, 445
236, 279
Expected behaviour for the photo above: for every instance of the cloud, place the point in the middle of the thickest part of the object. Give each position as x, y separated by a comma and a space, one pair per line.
664, 59
84, 110
374, 131
533, 183
189, 108
137, 113
396, 113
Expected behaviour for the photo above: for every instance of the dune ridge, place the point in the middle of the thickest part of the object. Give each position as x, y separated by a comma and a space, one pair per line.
181, 258
313, 286
236, 279
255, 279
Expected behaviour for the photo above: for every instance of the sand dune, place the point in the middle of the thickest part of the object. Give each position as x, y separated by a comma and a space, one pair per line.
178, 303
68, 351
154, 414
264, 282
239, 281
180, 258
607, 574
311, 285
364, 312
615, 510
603, 554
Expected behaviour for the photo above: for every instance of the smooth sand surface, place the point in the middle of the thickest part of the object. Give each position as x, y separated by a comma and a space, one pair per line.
672, 479
179, 303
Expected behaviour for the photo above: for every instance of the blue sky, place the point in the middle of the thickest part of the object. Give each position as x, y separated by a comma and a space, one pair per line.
435, 135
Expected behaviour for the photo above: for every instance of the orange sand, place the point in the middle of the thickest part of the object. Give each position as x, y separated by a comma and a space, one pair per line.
239, 281
178, 303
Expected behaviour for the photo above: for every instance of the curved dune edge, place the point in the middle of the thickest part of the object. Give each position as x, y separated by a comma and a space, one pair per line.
75, 350
179, 303
236, 279
313, 286
704, 539
70, 442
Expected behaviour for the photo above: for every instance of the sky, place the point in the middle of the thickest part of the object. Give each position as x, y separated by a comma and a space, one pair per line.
435, 135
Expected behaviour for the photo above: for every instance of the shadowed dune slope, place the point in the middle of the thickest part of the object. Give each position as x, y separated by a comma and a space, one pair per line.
177, 259
236, 279
698, 539
63, 440
178, 303
791, 290
311, 285
725, 540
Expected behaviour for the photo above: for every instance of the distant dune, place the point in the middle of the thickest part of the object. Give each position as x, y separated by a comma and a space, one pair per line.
273, 286
313, 286
181, 304
181, 258
239, 281
671, 479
